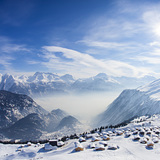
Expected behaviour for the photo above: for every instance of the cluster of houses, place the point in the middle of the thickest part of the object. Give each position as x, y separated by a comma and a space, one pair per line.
149, 136
139, 130
99, 140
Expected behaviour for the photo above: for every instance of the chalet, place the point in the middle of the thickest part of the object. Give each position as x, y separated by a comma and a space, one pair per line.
143, 140
113, 147
100, 148
81, 139
94, 139
150, 144
106, 138
78, 146
60, 143
92, 145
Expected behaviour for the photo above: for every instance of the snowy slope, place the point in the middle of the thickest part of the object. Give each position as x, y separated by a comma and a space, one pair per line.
128, 149
27, 128
132, 103
152, 89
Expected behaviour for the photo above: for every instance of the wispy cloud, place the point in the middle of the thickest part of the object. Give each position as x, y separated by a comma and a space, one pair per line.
114, 29
84, 64
123, 41
7, 46
112, 45
6, 62
10, 54
147, 59
131, 34
10, 48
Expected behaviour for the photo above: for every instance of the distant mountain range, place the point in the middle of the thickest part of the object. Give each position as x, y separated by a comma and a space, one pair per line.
22, 118
132, 103
48, 83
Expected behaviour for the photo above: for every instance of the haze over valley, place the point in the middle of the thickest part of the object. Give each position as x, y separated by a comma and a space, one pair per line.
83, 97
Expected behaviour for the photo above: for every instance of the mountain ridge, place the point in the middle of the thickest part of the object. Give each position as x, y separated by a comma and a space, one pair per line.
42, 83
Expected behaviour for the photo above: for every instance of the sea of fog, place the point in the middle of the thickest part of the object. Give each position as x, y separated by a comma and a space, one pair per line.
82, 106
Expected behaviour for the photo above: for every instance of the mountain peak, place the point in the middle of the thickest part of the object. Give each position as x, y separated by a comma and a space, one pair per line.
59, 112
102, 75
43, 77
69, 122
67, 78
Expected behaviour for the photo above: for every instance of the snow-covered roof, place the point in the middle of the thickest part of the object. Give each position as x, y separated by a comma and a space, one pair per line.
49, 147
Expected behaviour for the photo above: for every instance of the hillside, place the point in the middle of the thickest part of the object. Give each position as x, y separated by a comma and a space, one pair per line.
22, 118
27, 128
16, 106
132, 103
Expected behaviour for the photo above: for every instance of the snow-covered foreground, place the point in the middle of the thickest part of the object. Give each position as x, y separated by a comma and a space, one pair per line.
128, 149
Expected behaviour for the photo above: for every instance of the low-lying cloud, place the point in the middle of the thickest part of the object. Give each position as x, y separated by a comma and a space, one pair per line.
84, 107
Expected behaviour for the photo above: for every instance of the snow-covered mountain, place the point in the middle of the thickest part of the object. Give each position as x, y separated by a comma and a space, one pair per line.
16, 106
22, 118
53, 119
27, 128
48, 83
69, 122
33, 126
38, 84
100, 82
132, 103
133, 82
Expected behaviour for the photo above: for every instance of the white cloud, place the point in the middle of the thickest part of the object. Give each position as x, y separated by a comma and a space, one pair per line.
155, 52
150, 60
105, 29
7, 46
10, 48
131, 34
9, 52
81, 64
112, 45
155, 43
5, 61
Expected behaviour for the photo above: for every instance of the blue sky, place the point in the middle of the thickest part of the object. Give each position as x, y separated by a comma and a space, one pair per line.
80, 37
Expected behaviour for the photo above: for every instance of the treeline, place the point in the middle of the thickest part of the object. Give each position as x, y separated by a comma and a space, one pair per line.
72, 136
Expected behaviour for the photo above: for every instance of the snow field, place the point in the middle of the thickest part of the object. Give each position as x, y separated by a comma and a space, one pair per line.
128, 149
